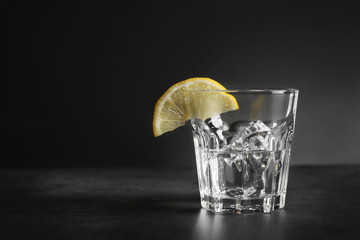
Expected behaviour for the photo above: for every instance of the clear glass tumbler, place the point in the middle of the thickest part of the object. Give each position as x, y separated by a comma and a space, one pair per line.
242, 156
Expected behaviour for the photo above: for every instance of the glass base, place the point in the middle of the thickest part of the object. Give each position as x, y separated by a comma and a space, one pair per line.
243, 206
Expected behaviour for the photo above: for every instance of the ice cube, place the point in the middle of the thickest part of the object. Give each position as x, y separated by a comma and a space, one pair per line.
218, 126
256, 142
258, 160
217, 123
234, 159
252, 136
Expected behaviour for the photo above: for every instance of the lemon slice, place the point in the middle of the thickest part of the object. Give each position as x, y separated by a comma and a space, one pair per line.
183, 101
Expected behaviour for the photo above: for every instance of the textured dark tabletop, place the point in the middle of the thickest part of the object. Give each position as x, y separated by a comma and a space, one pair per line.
323, 202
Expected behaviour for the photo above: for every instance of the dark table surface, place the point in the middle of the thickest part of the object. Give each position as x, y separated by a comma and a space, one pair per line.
323, 202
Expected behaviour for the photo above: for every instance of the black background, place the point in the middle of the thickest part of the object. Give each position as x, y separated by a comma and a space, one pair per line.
86, 76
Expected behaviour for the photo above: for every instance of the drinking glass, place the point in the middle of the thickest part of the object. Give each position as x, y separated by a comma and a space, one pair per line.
242, 156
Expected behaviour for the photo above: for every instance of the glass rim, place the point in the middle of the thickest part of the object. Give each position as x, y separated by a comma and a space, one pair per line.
272, 91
